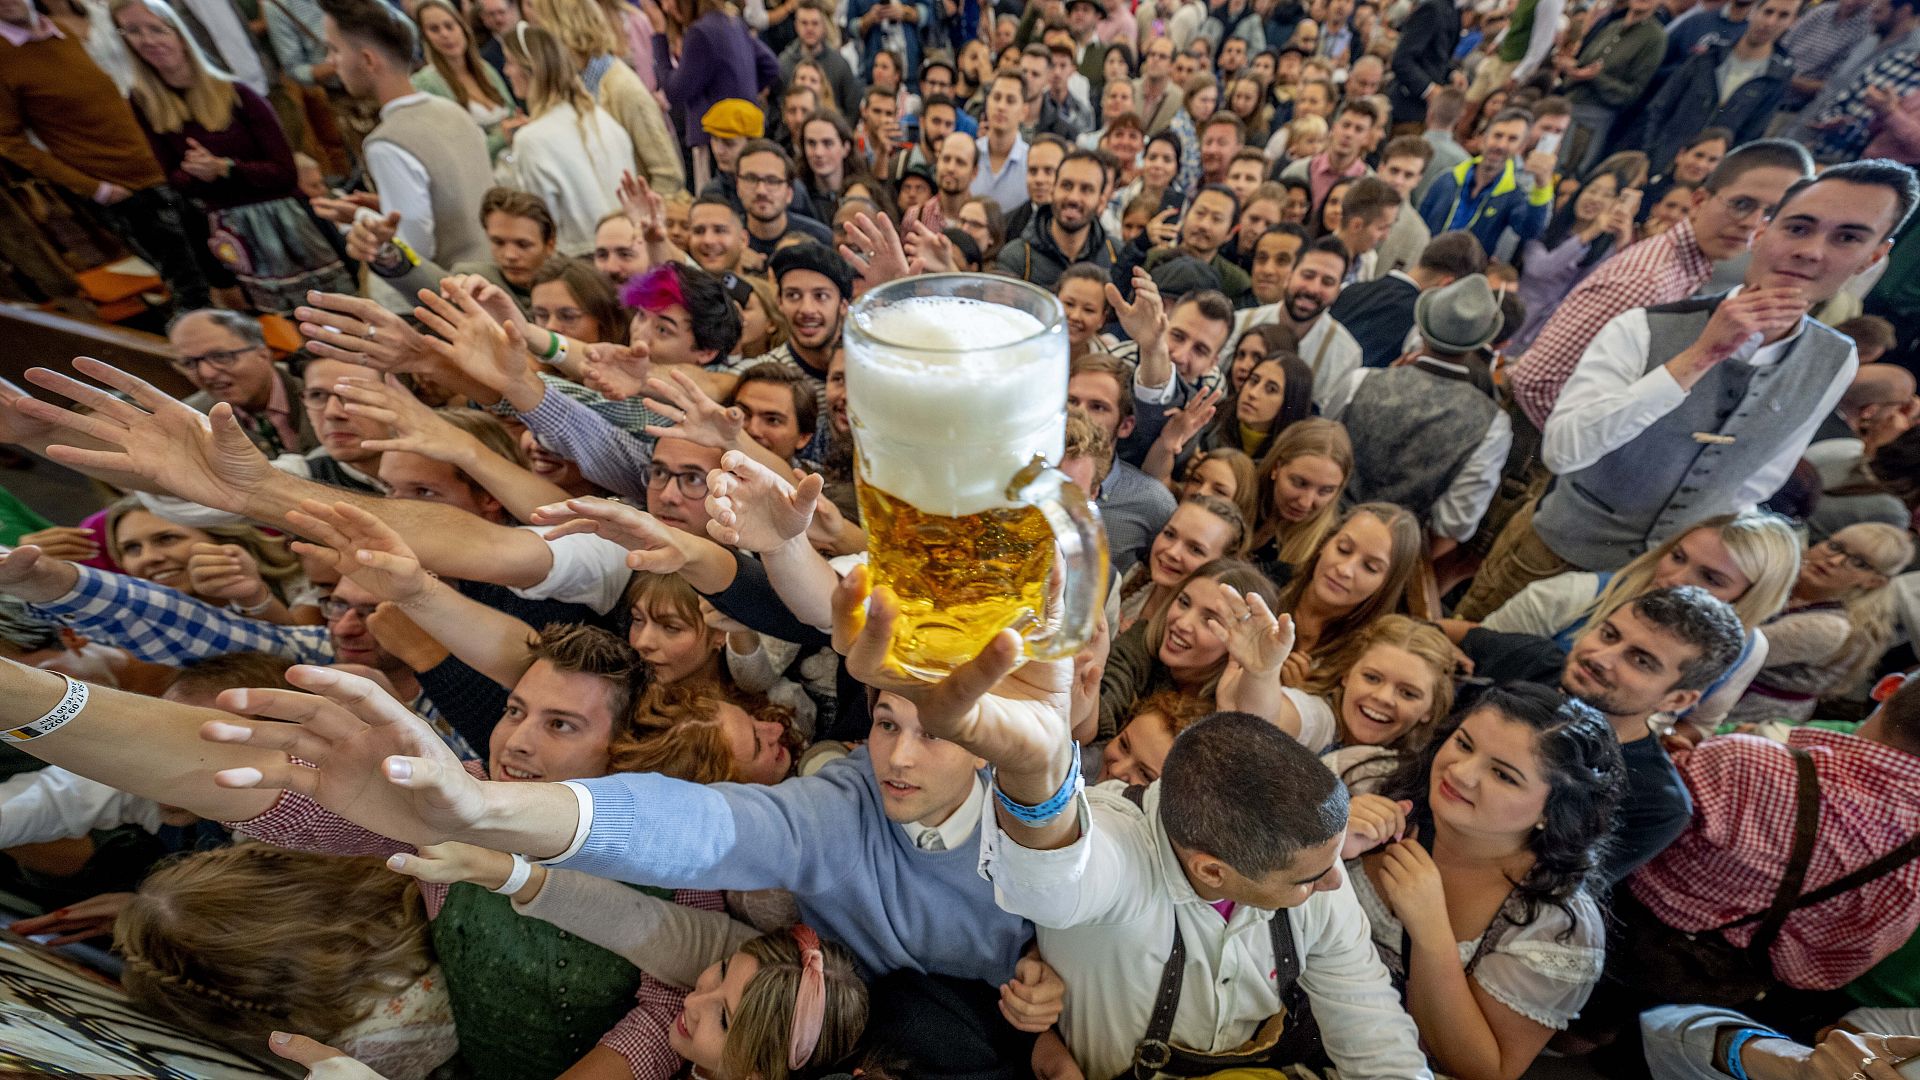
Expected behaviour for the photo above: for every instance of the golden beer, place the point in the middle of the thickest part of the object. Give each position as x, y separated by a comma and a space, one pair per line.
956, 389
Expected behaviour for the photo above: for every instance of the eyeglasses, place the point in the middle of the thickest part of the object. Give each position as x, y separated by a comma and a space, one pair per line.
1743, 207
335, 610
1855, 561
751, 180
693, 484
219, 359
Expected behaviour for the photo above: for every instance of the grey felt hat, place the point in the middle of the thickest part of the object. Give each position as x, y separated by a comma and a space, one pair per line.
1460, 317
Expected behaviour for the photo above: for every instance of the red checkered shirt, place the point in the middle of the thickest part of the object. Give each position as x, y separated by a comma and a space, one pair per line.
299, 823
1658, 270
1730, 861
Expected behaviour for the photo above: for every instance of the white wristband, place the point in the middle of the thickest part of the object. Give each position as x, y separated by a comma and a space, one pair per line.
522, 870
68, 707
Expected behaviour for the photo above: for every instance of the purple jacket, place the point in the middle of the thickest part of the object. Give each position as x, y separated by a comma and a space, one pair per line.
719, 59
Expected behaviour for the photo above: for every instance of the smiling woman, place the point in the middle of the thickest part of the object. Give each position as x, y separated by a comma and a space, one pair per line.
154, 549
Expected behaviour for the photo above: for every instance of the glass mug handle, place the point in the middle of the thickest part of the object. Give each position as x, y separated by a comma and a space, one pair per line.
1082, 543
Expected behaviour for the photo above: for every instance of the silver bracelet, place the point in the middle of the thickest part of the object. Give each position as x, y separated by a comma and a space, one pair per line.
68, 707
257, 609
517, 880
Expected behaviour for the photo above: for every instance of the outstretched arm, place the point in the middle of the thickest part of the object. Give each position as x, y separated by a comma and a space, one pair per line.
150, 747
361, 546
209, 460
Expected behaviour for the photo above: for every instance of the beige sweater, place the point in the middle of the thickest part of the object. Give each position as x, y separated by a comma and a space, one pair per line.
632, 104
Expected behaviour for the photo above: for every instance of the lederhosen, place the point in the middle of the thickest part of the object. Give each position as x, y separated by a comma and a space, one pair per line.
1288, 1037
1704, 966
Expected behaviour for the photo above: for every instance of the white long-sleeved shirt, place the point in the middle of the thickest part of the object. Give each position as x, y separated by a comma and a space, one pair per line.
1106, 907
54, 804
1330, 350
1611, 398
1457, 513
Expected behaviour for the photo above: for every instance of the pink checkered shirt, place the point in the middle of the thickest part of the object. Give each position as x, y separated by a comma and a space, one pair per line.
1659, 270
299, 823
1729, 862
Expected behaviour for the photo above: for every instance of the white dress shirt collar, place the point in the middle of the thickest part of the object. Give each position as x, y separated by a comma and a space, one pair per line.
957, 831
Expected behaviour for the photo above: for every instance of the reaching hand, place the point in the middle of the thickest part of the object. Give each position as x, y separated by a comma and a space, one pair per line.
1256, 639
1164, 228
358, 545
928, 248
369, 236
644, 207
323, 1062
201, 458
375, 763
1373, 821
453, 862
755, 509
342, 211
359, 331
617, 372
1185, 422
1012, 714
472, 342
25, 575
829, 532
226, 572
875, 251
493, 299
90, 918
16, 426
1145, 319
415, 428
652, 547
401, 636
696, 417
64, 542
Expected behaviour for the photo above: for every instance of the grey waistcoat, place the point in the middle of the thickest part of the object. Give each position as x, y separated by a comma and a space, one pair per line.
1413, 427
1638, 495
453, 150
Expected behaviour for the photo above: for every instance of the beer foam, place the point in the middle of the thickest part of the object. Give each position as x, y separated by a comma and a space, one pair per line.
951, 397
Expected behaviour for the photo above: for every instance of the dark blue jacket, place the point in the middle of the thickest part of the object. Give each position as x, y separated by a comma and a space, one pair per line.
1689, 103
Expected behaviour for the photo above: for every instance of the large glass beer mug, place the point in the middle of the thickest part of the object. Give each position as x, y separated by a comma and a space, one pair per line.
957, 393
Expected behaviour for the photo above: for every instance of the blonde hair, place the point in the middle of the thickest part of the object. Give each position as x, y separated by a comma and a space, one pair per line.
471, 64
779, 330
488, 429
1764, 549
1390, 598
677, 732
241, 941
1870, 608
823, 97
279, 566
552, 77
1310, 126
209, 98
1180, 710
1313, 437
580, 25
761, 1035
1422, 639
1246, 481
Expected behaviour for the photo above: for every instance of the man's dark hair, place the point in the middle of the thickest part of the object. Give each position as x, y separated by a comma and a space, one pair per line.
1707, 135
805, 406
1446, 105
1759, 154
1016, 76
370, 22
768, 146
1457, 253
1874, 172
1412, 146
1327, 245
796, 90
577, 648
1095, 156
1225, 118
232, 671
877, 92
238, 323
1358, 105
1510, 114
935, 101
1367, 198
715, 318
721, 201
1213, 304
1084, 271
1048, 138
1220, 189
1238, 788
1900, 715
1701, 620
1552, 105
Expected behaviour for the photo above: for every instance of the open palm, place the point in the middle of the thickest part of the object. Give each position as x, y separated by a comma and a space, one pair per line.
362, 547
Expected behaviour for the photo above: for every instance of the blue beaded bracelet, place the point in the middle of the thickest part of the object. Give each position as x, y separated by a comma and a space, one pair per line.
1740, 1039
1046, 811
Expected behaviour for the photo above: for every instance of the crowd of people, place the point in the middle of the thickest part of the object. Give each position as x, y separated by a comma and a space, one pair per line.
1500, 416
